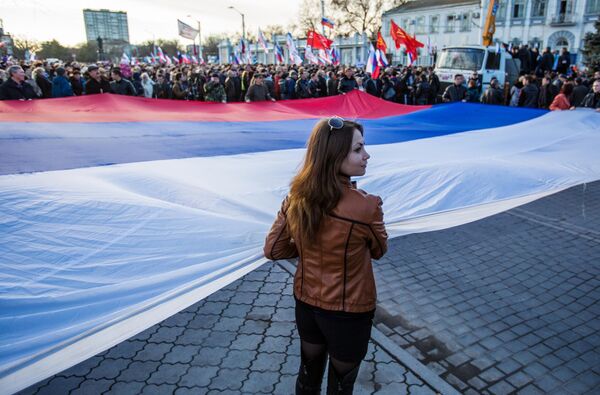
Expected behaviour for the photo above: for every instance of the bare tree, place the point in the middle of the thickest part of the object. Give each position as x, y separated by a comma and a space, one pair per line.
21, 44
350, 16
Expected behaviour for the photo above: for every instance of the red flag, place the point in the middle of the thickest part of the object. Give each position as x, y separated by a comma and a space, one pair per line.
402, 38
317, 41
381, 43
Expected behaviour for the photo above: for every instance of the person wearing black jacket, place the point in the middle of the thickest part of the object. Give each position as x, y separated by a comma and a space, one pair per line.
579, 92
96, 84
120, 85
15, 88
43, 82
347, 83
302, 88
548, 91
332, 84
372, 86
162, 88
547, 61
455, 92
564, 61
592, 99
322, 83
529, 96
423, 91
493, 94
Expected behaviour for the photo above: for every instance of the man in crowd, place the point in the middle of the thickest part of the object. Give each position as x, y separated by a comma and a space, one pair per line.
493, 94
592, 99
214, 91
347, 83
96, 84
61, 87
455, 92
120, 85
579, 92
530, 93
15, 87
258, 91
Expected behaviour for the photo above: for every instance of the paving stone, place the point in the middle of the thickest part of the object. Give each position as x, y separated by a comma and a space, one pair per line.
138, 371
246, 342
261, 382
166, 334
89, 387
502, 388
198, 376
109, 369
209, 356
168, 374
191, 391
231, 379
219, 339
153, 389
194, 337
241, 359
126, 388
126, 349
59, 385
153, 352
83, 368
393, 389
274, 344
286, 384
268, 362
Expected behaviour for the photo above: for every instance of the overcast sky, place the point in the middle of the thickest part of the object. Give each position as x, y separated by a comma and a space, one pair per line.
63, 20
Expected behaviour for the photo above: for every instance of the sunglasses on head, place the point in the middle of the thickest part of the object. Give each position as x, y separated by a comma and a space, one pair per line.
335, 122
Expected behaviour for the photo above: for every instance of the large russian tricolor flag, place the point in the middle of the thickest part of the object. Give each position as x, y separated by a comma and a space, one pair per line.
117, 212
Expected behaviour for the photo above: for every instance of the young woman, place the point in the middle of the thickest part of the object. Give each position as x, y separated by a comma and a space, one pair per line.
335, 230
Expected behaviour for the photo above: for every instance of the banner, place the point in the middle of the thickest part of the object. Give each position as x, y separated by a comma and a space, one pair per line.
186, 30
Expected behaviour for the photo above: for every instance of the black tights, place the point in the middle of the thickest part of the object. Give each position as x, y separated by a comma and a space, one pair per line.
313, 351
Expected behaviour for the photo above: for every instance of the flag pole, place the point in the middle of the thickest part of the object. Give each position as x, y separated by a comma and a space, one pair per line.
322, 16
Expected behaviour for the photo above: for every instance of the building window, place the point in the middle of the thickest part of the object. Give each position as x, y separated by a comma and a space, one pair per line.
434, 24
538, 9
465, 23
450, 20
420, 28
518, 9
405, 23
501, 13
592, 7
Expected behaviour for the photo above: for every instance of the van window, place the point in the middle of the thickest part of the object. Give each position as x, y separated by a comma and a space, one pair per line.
493, 61
460, 58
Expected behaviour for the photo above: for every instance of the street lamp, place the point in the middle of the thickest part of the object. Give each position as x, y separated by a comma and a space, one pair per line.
243, 21
199, 37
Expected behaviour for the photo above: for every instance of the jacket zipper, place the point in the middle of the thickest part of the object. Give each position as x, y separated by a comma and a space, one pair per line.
346, 267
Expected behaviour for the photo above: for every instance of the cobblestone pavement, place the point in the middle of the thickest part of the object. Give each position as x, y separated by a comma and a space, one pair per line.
507, 304
241, 339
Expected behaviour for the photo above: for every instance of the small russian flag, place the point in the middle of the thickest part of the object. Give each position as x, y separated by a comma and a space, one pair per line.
327, 22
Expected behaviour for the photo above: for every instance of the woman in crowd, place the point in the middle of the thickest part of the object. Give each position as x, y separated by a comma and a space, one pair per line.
335, 229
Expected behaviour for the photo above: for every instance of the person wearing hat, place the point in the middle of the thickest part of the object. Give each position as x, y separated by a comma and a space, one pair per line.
95, 84
61, 87
258, 91
214, 91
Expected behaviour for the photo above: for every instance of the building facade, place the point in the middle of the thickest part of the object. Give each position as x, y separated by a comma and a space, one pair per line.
111, 26
539, 23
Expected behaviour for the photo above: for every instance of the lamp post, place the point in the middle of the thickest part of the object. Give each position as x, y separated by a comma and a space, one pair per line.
199, 38
243, 21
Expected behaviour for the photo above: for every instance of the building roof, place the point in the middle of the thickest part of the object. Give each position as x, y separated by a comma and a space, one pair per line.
419, 4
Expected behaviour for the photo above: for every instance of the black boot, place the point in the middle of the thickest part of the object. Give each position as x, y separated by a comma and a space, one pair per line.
310, 375
341, 385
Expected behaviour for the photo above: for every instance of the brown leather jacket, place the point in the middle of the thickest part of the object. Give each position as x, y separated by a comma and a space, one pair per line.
335, 272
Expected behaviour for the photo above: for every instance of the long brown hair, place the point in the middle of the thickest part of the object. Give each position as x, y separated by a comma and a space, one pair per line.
317, 188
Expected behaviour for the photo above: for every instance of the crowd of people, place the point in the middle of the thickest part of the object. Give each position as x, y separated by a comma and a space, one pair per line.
540, 85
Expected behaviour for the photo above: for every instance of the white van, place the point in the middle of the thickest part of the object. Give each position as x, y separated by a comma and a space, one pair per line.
488, 62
